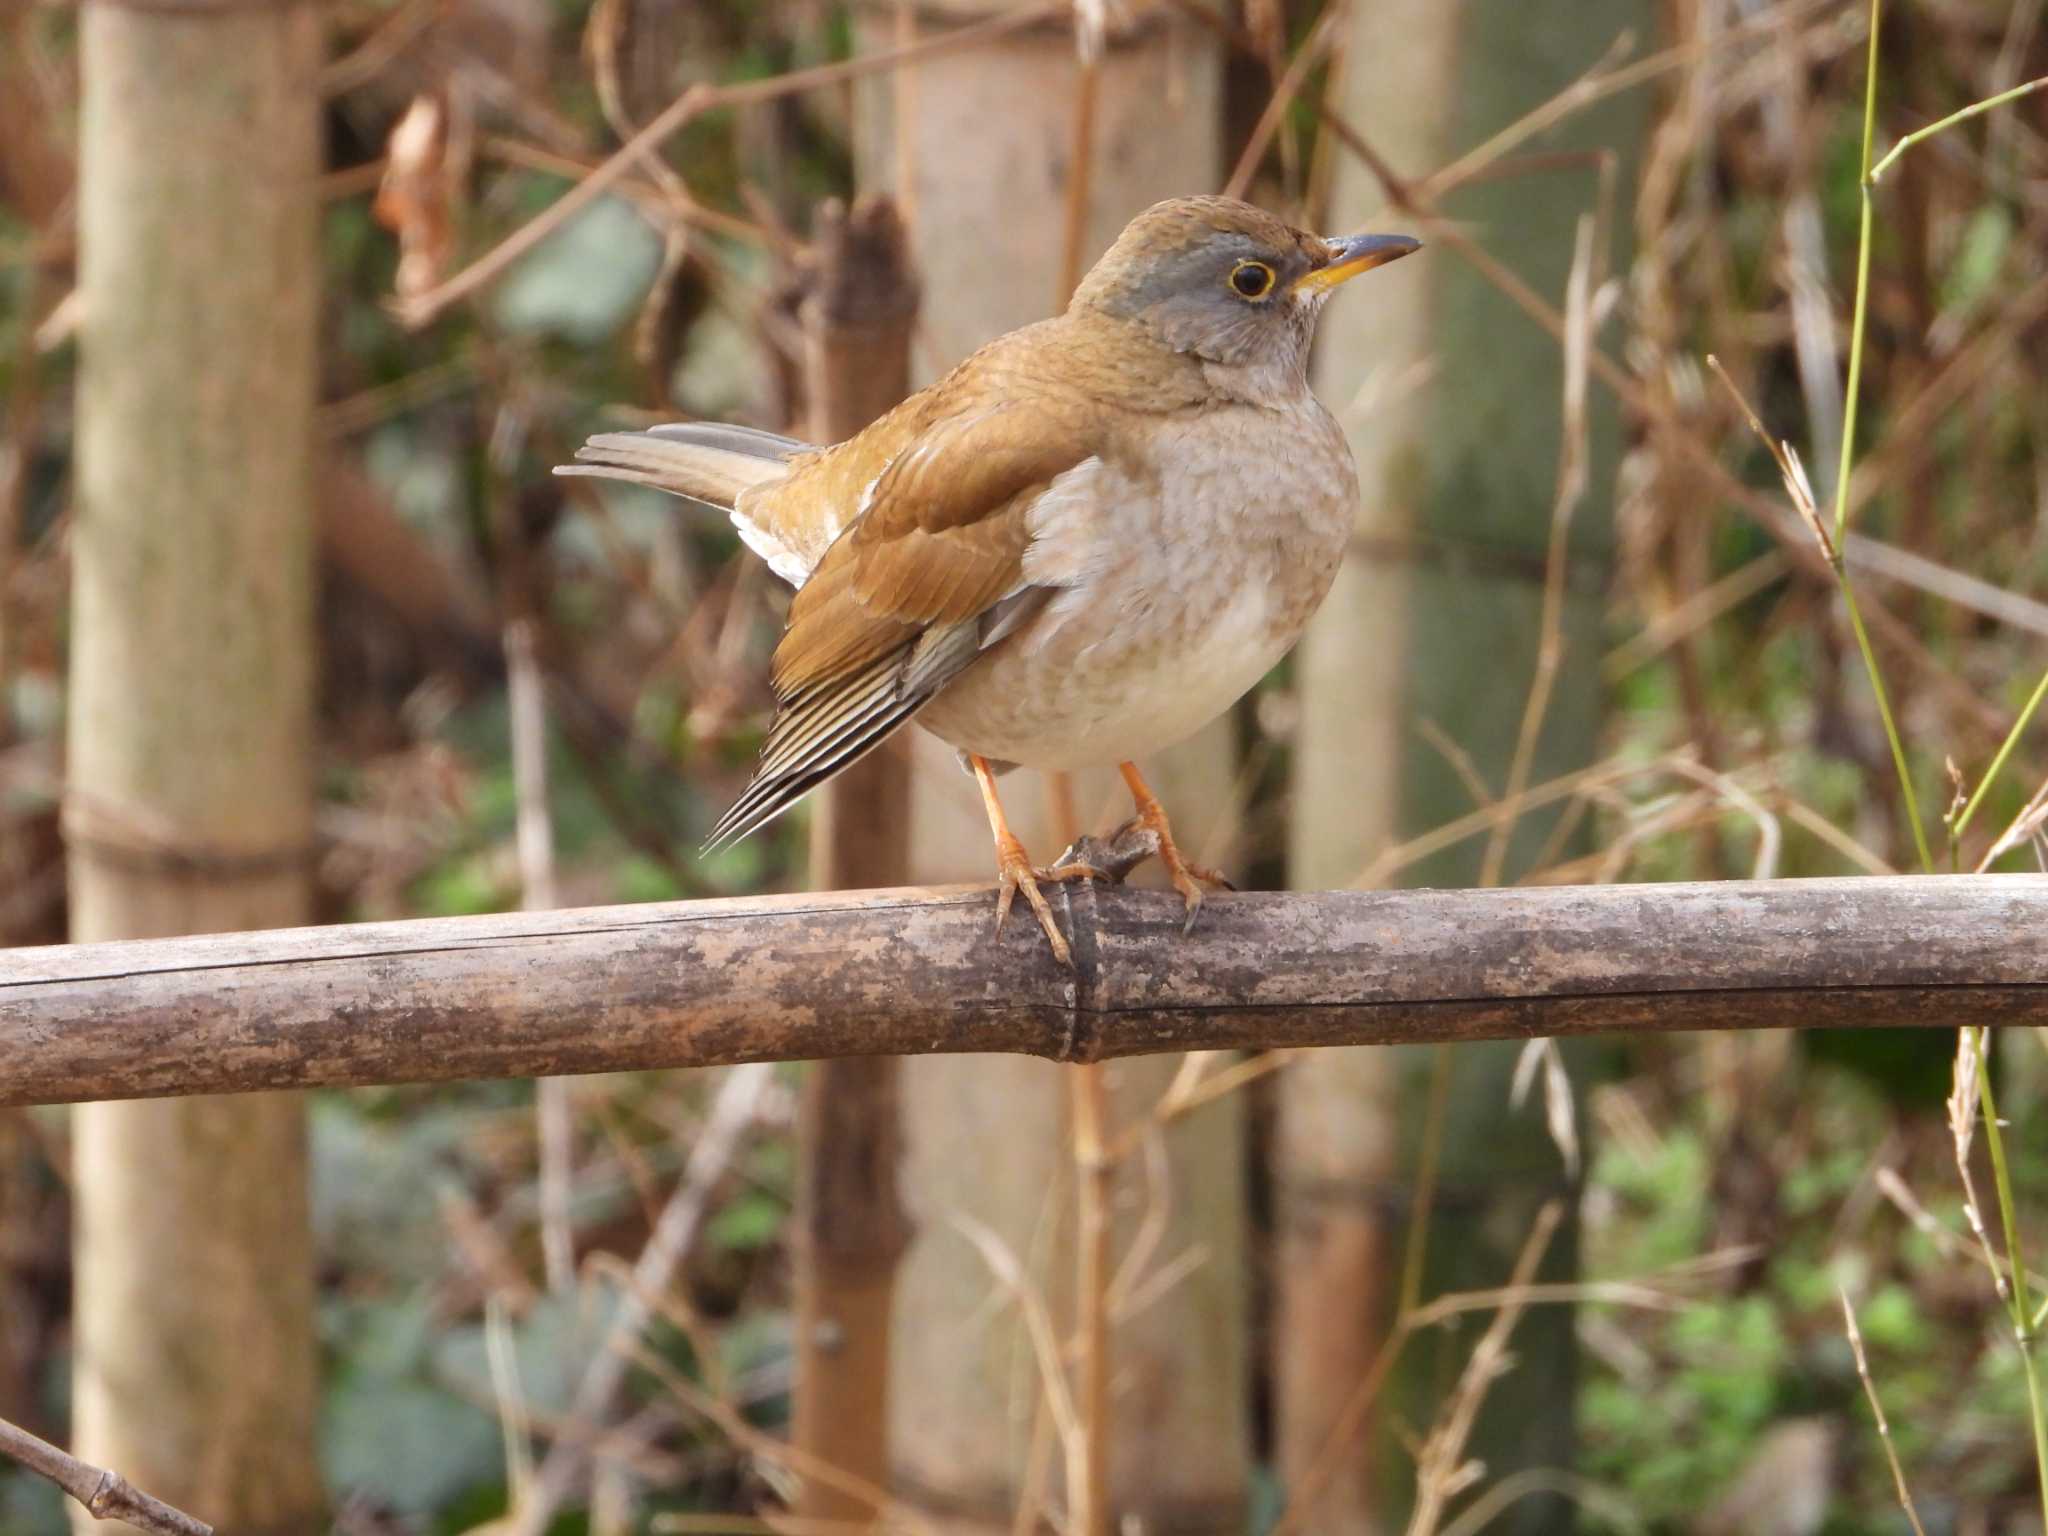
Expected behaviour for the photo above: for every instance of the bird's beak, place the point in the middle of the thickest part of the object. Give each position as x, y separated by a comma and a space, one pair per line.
1353, 254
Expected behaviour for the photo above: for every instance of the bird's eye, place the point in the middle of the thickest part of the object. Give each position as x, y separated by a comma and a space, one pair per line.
1251, 279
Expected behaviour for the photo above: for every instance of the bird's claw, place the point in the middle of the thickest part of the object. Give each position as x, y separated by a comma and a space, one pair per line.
1189, 880
1016, 872
1188, 877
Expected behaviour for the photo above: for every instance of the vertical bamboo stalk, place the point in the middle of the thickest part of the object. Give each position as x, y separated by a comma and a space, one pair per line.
1088, 1111
856, 320
1337, 1158
1088, 1107
534, 839
189, 802
1444, 581
986, 145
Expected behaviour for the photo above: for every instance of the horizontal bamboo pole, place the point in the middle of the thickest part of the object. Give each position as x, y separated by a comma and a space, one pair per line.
691, 984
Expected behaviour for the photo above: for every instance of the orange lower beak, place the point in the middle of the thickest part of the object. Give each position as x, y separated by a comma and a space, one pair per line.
1353, 254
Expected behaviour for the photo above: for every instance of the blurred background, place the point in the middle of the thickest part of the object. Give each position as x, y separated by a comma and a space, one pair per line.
300, 303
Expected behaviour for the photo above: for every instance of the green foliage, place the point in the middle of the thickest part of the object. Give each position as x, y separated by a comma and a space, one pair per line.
31, 1506
586, 282
1708, 1383
1693, 1427
1980, 258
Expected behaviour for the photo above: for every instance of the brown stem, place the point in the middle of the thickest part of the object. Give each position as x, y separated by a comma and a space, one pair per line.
529, 994
105, 1495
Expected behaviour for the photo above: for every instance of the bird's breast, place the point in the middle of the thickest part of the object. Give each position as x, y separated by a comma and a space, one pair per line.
1181, 565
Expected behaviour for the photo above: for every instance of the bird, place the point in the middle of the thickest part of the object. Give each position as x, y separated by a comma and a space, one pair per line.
1085, 542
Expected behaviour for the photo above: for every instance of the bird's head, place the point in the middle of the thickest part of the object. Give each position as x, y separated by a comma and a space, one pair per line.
1227, 282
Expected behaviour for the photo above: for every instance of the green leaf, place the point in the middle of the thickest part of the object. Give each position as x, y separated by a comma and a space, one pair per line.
751, 1221
585, 282
408, 1446
1980, 257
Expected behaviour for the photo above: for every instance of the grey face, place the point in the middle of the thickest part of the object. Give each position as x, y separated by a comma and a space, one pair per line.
1228, 298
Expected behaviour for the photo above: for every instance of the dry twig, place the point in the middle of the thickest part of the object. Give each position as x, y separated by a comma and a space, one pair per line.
421, 308
105, 1495
1884, 1428
733, 1114
1441, 1472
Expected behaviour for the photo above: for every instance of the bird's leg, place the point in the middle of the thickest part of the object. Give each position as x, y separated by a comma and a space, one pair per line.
1187, 878
1015, 869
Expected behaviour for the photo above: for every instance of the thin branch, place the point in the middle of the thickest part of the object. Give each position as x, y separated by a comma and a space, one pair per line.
1441, 1471
1855, 387
1801, 494
1571, 488
105, 1495
1921, 135
2019, 727
535, 838
1868, 556
1609, 77
390, 38
421, 308
1884, 1428
1002, 1263
733, 1115
1277, 105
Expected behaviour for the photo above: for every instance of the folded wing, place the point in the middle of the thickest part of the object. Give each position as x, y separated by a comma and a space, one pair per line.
929, 571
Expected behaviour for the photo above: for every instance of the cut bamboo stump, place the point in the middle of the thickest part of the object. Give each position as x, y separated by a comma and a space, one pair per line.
852, 1230
692, 984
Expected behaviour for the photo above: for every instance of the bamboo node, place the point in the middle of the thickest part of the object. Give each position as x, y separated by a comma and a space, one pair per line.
127, 841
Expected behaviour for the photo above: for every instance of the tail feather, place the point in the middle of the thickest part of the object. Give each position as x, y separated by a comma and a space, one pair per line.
755, 442
819, 731
813, 738
823, 729
705, 461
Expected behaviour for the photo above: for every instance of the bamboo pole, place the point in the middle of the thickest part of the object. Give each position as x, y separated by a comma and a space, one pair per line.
1027, 157
674, 984
1336, 1155
850, 1223
188, 803
1475, 590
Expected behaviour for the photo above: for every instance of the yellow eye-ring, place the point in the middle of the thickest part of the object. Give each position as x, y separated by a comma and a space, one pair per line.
1251, 279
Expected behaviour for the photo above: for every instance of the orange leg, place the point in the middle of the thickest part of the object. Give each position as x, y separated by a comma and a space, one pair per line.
1187, 878
1016, 871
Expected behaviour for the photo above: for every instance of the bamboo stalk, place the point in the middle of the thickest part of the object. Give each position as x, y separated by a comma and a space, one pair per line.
852, 1230
915, 971
188, 799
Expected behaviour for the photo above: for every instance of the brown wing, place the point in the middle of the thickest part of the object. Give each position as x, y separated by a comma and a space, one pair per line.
895, 608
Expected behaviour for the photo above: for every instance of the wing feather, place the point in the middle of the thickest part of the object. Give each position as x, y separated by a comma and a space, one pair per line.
927, 571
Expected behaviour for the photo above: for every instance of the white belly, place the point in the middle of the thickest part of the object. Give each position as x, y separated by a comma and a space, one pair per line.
1177, 588
1119, 698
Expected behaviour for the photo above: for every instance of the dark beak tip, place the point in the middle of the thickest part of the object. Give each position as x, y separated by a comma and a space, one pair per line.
1369, 251
1387, 247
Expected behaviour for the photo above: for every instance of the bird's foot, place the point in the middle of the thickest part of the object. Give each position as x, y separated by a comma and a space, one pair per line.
1151, 827
1155, 839
1016, 872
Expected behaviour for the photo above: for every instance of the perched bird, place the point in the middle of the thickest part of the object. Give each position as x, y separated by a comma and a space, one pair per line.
1080, 546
